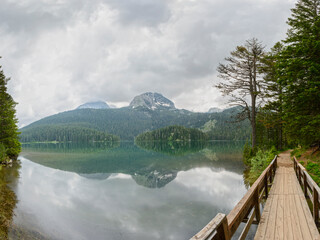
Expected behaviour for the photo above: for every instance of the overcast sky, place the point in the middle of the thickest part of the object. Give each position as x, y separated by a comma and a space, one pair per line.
62, 53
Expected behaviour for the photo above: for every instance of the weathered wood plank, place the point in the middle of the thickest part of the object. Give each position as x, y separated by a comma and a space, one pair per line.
279, 223
294, 218
288, 230
302, 218
270, 233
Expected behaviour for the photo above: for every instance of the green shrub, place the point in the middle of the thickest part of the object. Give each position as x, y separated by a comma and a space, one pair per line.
259, 162
248, 153
314, 170
298, 152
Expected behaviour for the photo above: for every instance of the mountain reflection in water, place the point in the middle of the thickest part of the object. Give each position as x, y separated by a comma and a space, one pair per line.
125, 192
148, 168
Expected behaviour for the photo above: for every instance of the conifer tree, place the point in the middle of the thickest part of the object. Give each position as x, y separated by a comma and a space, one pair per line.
299, 71
243, 81
8, 123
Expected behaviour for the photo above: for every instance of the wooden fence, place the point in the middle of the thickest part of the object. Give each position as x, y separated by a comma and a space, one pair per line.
223, 227
310, 189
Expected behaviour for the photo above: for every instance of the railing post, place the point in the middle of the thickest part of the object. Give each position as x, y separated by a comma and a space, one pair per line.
223, 230
305, 185
299, 175
266, 185
257, 204
315, 206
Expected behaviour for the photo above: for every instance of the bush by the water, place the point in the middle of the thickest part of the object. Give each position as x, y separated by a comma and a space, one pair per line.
259, 162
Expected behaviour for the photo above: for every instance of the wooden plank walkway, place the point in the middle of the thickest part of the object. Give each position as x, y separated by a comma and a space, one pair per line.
286, 214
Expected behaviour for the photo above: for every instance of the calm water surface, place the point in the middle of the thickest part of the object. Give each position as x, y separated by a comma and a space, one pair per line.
124, 191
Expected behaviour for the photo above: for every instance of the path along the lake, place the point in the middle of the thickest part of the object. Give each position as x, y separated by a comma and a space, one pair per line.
286, 214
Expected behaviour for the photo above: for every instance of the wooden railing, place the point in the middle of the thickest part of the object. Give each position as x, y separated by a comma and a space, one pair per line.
247, 210
310, 189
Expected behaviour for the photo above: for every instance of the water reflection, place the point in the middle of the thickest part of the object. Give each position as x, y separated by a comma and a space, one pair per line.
8, 199
147, 168
173, 147
125, 192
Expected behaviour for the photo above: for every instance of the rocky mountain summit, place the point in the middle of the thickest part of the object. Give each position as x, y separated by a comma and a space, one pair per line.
152, 101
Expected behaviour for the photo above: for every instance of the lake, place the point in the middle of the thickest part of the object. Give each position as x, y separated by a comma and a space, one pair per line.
122, 191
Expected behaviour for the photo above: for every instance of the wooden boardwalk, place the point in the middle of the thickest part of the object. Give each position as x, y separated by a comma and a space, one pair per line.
286, 214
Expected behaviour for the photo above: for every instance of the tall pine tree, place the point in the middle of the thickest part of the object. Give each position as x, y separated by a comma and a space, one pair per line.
243, 81
299, 71
9, 139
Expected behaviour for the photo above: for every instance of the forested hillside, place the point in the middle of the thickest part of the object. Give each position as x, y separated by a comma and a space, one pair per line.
127, 122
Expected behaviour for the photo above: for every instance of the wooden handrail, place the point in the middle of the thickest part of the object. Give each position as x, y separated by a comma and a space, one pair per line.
310, 188
246, 210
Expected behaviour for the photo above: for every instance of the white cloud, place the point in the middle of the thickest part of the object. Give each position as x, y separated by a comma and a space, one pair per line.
60, 54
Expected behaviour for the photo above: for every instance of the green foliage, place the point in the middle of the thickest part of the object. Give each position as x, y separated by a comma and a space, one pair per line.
298, 151
299, 71
292, 75
248, 153
270, 130
314, 169
259, 162
8, 122
3, 154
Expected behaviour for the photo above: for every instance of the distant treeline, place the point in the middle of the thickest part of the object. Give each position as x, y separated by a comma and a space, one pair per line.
65, 133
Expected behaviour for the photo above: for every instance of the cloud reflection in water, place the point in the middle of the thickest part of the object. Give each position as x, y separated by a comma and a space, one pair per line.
65, 205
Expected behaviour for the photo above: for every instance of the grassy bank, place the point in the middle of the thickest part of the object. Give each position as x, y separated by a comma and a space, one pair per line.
310, 160
256, 162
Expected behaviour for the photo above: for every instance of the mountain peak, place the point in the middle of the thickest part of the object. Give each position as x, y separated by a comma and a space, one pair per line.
152, 101
94, 105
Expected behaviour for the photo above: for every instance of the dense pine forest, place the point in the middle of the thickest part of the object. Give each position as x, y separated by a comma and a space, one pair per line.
9, 137
285, 90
